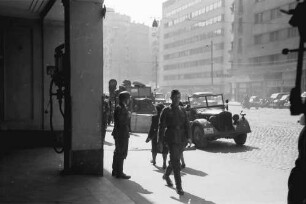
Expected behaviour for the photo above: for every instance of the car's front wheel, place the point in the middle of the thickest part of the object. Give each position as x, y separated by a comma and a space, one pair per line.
240, 139
199, 139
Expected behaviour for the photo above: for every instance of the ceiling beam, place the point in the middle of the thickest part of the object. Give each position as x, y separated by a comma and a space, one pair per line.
47, 8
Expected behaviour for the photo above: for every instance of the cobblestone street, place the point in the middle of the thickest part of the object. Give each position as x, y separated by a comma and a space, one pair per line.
272, 142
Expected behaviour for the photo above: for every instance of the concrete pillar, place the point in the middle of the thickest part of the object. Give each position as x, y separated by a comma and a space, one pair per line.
86, 58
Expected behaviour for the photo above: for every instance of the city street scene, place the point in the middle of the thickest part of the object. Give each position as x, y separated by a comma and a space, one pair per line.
152, 101
221, 173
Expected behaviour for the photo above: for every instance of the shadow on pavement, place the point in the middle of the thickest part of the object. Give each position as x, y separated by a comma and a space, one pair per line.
135, 134
129, 187
227, 147
191, 171
191, 199
108, 143
185, 171
159, 169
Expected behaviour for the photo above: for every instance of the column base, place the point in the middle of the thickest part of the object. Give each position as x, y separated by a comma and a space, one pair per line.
87, 162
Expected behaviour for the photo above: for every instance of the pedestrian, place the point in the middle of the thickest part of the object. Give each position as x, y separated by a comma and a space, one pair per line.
105, 115
297, 177
157, 145
121, 133
183, 164
175, 130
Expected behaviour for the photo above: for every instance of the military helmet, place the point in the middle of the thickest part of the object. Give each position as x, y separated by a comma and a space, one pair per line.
124, 95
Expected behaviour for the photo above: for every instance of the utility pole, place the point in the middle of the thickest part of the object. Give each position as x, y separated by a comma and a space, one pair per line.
212, 64
156, 64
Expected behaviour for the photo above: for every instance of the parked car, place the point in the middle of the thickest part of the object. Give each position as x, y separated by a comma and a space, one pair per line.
254, 102
210, 120
159, 98
274, 98
281, 102
264, 102
303, 95
143, 106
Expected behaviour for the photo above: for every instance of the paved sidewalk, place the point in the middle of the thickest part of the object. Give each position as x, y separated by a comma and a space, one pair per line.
34, 176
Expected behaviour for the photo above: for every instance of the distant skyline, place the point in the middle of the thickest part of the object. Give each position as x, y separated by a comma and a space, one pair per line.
140, 11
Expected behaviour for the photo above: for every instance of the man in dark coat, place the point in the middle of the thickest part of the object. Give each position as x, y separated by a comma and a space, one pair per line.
174, 128
121, 133
297, 177
154, 138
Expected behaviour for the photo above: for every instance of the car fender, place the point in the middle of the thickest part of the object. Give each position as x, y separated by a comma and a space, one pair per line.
243, 126
208, 128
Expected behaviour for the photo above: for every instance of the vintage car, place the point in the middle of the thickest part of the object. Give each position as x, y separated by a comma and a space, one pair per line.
281, 102
211, 120
159, 98
274, 99
254, 102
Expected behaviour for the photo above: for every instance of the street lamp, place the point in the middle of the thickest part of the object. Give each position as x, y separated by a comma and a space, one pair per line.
155, 25
212, 63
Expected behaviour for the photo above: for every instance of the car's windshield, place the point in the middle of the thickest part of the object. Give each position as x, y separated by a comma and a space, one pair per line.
284, 97
274, 95
159, 95
206, 101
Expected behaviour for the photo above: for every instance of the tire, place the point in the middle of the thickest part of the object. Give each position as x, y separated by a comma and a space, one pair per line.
240, 139
199, 140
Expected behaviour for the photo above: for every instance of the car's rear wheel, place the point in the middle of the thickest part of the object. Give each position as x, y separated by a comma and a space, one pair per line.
240, 139
198, 137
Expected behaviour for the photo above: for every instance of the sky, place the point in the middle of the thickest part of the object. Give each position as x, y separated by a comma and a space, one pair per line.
140, 11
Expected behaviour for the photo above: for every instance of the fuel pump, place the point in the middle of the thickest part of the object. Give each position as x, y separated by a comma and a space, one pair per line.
58, 80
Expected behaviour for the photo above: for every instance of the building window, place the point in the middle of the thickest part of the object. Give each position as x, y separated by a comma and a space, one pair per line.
273, 13
240, 26
240, 6
274, 36
292, 32
258, 18
240, 45
258, 39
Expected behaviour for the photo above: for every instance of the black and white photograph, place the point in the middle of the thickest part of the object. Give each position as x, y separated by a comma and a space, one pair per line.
152, 102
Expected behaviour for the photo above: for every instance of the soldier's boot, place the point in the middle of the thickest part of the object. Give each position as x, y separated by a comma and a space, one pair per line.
164, 161
153, 161
178, 181
114, 166
120, 173
167, 174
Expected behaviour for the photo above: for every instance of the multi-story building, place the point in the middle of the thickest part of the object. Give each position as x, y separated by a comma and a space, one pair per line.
261, 32
196, 41
127, 50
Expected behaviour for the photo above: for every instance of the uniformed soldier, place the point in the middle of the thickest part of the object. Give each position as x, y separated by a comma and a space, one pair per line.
121, 133
105, 115
175, 130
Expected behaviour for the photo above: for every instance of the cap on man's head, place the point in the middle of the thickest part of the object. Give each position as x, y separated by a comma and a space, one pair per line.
124, 95
160, 107
175, 92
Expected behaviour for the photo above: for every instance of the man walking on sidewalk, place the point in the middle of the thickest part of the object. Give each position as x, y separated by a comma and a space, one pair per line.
175, 130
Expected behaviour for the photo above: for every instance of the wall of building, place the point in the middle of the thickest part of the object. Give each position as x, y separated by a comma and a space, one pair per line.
21, 84
259, 39
195, 34
127, 50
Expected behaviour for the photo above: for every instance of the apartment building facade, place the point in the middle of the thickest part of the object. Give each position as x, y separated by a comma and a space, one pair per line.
127, 50
195, 42
261, 32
